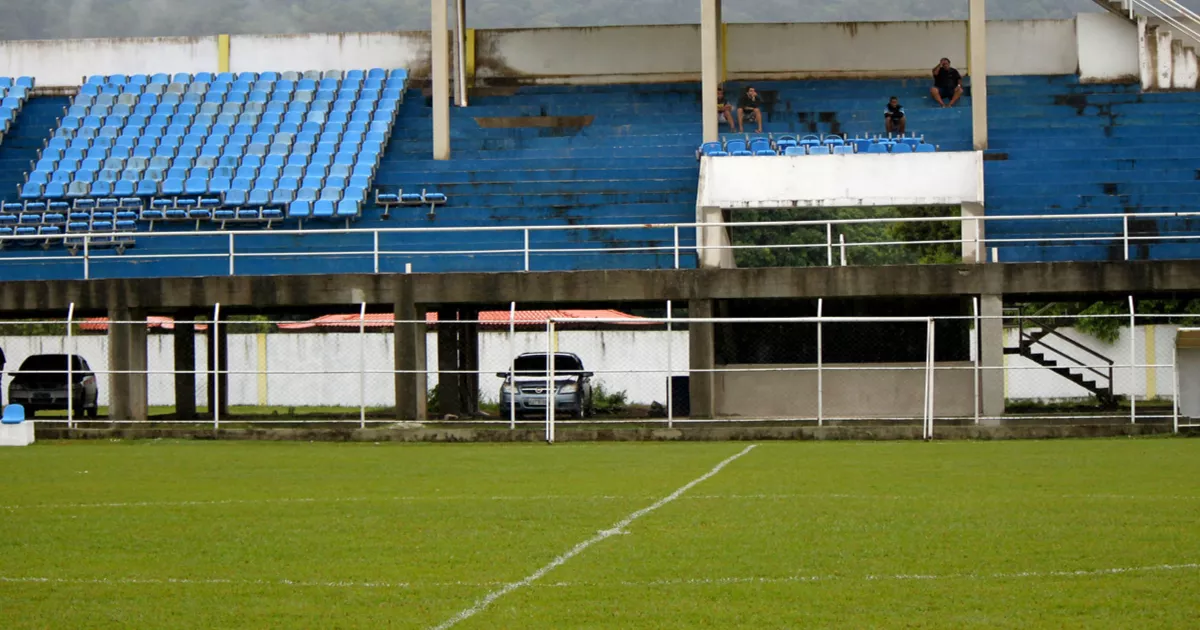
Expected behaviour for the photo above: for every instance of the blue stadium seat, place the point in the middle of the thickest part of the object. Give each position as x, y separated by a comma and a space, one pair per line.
901, 147
877, 147
324, 209
926, 148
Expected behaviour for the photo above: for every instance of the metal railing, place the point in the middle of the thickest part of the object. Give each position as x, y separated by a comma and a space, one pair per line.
1176, 21
235, 247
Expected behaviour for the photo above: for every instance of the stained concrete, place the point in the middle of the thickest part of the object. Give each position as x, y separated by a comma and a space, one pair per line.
1015, 281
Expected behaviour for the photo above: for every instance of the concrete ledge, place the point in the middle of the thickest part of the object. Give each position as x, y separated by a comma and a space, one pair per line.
734, 434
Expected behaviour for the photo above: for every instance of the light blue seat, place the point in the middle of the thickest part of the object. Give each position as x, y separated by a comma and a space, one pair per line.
877, 147
796, 150
324, 209
13, 414
819, 150
902, 147
926, 148
259, 197
172, 186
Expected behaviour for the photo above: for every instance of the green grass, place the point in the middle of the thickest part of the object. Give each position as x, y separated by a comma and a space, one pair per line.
845, 535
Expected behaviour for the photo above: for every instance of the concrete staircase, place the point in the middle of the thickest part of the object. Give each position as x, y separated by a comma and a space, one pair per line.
1167, 43
1061, 147
29, 133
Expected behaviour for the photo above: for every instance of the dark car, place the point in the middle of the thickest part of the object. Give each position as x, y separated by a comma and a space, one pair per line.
41, 384
527, 389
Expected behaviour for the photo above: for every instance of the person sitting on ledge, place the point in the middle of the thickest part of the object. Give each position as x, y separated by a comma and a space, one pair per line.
893, 117
947, 84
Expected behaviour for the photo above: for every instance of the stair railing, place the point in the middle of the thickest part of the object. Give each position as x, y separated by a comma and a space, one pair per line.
1027, 340
1184, 12
1165, 16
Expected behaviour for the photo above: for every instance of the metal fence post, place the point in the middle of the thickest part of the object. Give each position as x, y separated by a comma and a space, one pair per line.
842, 241
978, 336
1132, 363
820, 362
362, 365
676, 246
231, 253
1175, 391
87, 258
375, 250
526, 231
551, 395
71, 352
216, 346
512, 365
829, 244
1125, 235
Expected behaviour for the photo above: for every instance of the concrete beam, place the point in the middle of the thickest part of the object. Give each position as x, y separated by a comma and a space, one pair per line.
710, 65
440, 74
977, 68
32, 299
129, 397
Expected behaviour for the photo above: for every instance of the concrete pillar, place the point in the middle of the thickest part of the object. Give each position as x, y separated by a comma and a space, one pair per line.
702, 356
714, 237
461, 63
440, 71
468, 340
974, 248
185, 366
977, 68
991, 355
127, 361
410, 357
710, 66
218, 348
449, 381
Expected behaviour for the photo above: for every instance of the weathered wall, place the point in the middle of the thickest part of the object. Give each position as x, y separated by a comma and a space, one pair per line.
1032, 47
63, 63
1108, 48
331, 51
951, 178
884, 391
589, 55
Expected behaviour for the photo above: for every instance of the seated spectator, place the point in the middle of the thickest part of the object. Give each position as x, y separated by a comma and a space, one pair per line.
750, 106
947, 84
724, 109
893, 117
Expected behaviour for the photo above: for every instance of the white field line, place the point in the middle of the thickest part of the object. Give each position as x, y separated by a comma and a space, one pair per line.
550, 497
618, 528
793, 579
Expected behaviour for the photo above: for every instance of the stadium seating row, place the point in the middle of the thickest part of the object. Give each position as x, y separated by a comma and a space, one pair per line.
813, 145
13, 93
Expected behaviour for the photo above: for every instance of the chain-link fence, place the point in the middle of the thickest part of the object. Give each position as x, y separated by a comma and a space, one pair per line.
1042, 363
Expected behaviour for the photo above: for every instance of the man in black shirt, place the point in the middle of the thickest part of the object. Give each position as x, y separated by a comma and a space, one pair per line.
893, 117
947, 84
750, 106
724, 109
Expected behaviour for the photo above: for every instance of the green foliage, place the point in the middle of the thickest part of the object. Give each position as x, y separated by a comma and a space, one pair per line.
58, 19
606, 402
815, 237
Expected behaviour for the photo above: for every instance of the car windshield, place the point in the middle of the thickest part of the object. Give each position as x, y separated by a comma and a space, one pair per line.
46, 363
536, 364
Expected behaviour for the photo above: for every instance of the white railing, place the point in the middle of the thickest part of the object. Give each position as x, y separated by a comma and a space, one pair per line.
1175, 20
269, 375
235, 248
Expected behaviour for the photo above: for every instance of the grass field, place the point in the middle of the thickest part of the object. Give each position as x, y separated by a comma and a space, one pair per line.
1066, 534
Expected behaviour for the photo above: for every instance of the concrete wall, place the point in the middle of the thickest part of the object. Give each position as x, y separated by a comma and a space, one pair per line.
1108, 48
589, 55
63, 63
1033, 47
331, 51
950, 178
891, 391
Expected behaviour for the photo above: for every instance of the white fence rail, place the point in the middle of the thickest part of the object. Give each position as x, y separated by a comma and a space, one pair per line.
237, 247
789, 369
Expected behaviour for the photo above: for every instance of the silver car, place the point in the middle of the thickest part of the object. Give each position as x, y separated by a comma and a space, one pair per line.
526, 390
41, 385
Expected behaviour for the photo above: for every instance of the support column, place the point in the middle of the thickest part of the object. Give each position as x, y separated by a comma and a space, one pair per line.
716, 236
468, 343
977, 68
462, 63
185, 366
127, 361
440, 71
449, 382
710, 66
411, 388
991, 354
974, 248
701, 356
218, 344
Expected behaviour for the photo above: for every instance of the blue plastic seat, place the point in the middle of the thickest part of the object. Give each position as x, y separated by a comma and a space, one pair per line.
796, 150
324, 209
926, 148
901, 147
877, 147
819, 150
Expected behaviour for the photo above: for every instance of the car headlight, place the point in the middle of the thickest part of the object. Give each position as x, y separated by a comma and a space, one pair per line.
569, 388
508, 388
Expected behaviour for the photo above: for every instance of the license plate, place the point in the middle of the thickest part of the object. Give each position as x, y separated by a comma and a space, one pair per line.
41, 395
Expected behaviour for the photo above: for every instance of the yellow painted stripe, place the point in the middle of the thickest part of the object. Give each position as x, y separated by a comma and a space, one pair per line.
1151, 363
724, 50
222, 53
470, 54
262, 369
555, 340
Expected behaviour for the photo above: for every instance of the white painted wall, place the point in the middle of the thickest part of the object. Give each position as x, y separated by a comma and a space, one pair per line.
1108, 48
1032, 47
590, 55
64, 63
951, 178
1025, 380
331, 51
